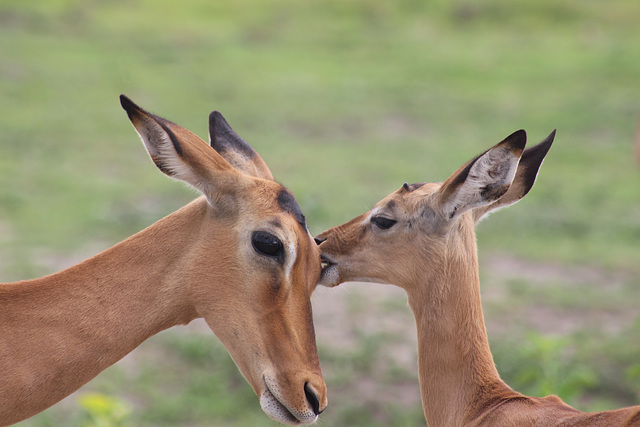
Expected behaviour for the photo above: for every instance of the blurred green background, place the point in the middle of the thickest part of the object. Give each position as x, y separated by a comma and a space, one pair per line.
345, 100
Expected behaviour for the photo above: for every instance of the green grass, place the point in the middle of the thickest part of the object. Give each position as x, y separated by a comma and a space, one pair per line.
345, 101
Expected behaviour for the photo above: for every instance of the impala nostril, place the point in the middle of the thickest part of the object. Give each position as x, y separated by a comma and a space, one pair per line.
319, 240
312, 398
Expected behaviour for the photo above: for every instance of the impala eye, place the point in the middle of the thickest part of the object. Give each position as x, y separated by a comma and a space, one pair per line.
267, 244
383, 222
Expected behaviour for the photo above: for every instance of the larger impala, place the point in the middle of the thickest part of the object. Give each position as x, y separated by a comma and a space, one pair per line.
240, 256
422, 238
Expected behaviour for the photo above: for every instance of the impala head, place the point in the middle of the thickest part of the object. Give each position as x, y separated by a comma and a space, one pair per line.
250, 265
412, 233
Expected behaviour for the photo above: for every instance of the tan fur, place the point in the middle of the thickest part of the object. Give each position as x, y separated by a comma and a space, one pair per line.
434, 259
60, 331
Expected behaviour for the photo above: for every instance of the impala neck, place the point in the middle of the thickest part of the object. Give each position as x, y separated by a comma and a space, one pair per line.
458, 378
62, 330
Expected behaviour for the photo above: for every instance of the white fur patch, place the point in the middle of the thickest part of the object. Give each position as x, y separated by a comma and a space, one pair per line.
291, 259
373, 213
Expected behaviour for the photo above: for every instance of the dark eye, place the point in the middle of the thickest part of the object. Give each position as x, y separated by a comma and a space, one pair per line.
267, 244
383, 222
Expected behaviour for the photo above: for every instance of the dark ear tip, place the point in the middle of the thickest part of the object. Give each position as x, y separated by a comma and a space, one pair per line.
519, 138
217, 123
214, 115
534, 157
125, 102
128, 105
516, 141
548, 141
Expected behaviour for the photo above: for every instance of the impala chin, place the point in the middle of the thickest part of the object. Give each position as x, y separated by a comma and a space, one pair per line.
330, 276
272, 403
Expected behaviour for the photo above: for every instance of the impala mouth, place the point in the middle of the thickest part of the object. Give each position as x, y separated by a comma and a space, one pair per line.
272, 405
329, 275
326, 263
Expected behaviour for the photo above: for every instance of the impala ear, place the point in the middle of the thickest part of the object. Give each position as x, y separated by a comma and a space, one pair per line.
484, 179
525, 177
234, 149
181, 154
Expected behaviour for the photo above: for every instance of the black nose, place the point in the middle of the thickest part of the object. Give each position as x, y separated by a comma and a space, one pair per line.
312, 399
319, 240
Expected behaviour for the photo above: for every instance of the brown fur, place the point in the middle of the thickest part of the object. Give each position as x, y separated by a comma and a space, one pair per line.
59, 331
433, 257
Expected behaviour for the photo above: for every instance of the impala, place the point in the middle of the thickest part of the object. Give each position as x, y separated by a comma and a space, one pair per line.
422, 238
240, 256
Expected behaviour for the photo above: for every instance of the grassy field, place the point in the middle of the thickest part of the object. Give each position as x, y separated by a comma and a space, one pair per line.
345, 101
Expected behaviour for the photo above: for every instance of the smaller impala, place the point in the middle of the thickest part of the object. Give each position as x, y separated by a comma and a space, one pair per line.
240, 256
422, 239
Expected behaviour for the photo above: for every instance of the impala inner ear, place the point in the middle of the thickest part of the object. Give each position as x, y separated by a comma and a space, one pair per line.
182, 155
484, 179
526, 174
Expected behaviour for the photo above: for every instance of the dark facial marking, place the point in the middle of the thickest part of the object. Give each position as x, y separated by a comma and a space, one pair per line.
275, 222
288, 203
275, 284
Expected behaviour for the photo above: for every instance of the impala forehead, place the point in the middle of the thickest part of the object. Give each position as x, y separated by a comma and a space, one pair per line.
413, 187
274, 209
390, 206
289, 204
408, 200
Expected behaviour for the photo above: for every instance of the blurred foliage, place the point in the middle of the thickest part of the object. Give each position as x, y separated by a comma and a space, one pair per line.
589, 369
543, 365
364, 92
104, 411
345, 101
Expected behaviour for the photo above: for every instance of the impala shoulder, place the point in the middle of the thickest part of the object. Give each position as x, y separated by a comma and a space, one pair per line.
634, 416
